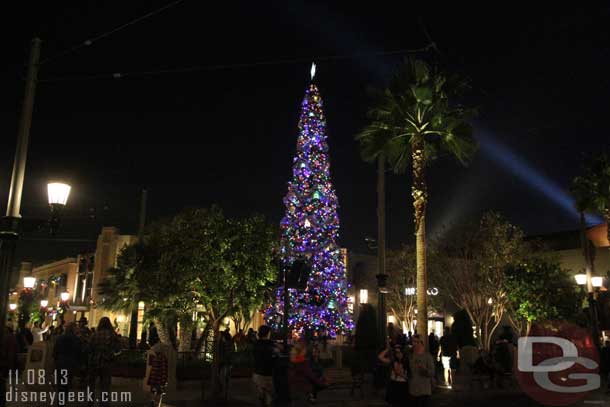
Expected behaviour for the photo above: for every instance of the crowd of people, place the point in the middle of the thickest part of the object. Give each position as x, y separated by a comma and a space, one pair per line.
405, 368
81, 356
409, 372
305, 374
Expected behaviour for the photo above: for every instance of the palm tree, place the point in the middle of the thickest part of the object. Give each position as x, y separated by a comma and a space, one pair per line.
413, 121
591, 190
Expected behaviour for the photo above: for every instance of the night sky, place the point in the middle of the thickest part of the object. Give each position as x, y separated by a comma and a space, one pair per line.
225, 131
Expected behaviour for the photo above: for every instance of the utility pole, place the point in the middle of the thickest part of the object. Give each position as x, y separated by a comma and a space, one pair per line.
381, 274
133, 321
9, 227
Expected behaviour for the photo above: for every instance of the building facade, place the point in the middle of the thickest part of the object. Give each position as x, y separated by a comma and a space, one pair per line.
78, 278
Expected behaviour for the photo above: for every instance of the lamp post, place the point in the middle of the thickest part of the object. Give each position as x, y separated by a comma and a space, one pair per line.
65, 297
9, 225
594, 283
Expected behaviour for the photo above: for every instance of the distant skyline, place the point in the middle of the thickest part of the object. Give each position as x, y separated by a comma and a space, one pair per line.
227, 136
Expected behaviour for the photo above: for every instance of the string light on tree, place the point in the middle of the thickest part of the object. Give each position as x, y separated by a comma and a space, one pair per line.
310, 228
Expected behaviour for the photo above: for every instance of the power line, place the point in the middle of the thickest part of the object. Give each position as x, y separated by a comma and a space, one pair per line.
90, 41
119, 75
53, 239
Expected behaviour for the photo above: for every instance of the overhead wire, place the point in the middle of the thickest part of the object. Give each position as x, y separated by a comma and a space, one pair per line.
119, 75
90, 41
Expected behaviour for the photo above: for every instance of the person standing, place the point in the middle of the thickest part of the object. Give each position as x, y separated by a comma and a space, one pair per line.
38, 331
24, 338
67, 356
251, 336
397, 390
227, 349
448, 356
101, 350
422, 372
265, 356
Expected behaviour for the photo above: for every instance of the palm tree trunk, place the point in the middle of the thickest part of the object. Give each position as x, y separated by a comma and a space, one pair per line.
382, 319
420, 199
186, 331
163, 332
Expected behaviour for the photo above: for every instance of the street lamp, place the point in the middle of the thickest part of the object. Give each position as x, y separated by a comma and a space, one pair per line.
44, 303
581, 279
597, 282
58, 198
65, 296
12, 306
29, 282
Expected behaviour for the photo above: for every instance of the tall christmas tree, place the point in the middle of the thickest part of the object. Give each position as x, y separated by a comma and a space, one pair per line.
310, 229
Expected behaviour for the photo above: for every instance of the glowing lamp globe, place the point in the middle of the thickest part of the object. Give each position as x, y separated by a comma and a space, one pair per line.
12, 306
29, 282
581, 279
58, 193
597, 281
65, 296
391, 319
44, 303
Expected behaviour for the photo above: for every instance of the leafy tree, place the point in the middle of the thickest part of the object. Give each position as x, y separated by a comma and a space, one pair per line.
476, 257
538, 289
413, 121
226, 263
401, 270
139, 277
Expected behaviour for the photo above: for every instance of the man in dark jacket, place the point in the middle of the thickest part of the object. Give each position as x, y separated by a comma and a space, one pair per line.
265, 354
67, 355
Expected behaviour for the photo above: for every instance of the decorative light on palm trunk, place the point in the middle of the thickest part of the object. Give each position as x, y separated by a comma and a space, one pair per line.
310, 229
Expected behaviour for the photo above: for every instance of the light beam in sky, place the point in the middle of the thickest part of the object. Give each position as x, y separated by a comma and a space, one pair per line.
532, 177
